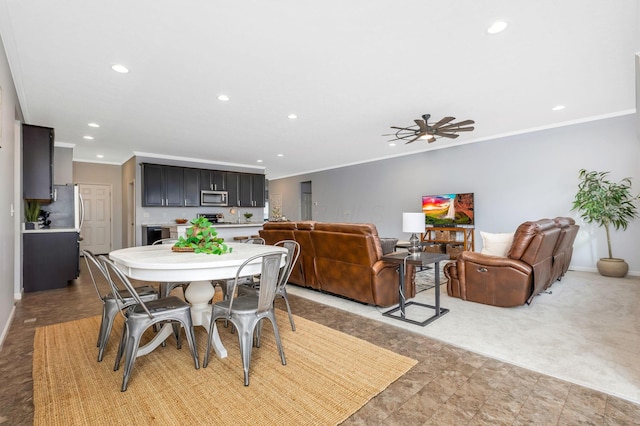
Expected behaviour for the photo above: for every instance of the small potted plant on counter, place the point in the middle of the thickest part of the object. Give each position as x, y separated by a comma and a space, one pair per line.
201, 238
248, 216
31, 214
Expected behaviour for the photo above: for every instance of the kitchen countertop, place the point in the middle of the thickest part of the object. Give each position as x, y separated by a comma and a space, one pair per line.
49, 230
215, 225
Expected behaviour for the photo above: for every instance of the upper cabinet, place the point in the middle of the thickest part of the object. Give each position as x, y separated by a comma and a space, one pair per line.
251, 190
37, 162
162, 186
191, 187
213, 180
173, 186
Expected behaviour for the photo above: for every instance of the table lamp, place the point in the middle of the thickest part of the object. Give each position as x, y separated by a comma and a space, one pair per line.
414, 223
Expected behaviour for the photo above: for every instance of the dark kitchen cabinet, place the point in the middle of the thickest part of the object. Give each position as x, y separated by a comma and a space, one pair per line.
162, 186
191, 187
213, 180
233, 182
37, 162
50, 260
252, 190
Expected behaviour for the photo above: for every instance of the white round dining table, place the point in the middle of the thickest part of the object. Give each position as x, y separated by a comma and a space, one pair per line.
159, 263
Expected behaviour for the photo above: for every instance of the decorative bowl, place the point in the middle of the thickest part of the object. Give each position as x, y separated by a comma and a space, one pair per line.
182, 221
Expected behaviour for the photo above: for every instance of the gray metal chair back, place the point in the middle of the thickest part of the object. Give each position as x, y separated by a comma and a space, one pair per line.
167, 287
254, 240
142, 315
110, 305
246, 312
293, 252
293, 249
165, 241
248, 280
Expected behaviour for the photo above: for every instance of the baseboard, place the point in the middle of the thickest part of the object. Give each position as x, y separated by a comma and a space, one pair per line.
585, 269
5, 331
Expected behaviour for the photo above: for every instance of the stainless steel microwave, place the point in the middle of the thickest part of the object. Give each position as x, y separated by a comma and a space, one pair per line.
214, 198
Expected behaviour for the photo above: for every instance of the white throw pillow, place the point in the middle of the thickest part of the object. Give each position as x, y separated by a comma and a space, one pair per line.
496, 244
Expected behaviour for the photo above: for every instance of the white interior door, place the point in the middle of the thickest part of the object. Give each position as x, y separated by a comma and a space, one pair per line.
96, 228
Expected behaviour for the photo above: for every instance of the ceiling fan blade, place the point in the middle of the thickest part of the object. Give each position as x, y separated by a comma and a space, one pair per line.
461, 129
460, 124
448, 135
403, 128
422, 125
443, 122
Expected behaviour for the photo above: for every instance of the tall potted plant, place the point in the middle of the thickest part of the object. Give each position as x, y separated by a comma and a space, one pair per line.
608, 204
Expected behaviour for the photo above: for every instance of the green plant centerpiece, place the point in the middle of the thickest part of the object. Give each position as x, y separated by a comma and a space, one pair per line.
608, 204
201, 237
248, 216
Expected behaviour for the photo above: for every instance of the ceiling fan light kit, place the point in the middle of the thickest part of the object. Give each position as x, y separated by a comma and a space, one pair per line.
423, 130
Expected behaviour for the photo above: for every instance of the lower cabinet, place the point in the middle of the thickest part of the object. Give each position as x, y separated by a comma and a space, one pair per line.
49, 260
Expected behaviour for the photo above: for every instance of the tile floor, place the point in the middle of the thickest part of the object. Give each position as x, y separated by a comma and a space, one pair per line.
449, 386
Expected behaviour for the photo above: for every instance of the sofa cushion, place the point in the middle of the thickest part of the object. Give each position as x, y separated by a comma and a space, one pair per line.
496, 244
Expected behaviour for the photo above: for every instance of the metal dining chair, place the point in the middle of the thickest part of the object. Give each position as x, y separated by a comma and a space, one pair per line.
166, 288
293, 252
246, 312
110, 305
141, 316
248, 280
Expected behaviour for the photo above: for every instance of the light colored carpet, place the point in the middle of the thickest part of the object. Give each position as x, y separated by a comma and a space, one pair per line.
329, 375
586, 332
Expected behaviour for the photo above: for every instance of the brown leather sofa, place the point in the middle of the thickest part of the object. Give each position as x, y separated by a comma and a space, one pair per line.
539, 255
342, 259
564, 248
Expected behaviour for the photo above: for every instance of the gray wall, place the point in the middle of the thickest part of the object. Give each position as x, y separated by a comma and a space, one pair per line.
515, 179
10, 178
62, 165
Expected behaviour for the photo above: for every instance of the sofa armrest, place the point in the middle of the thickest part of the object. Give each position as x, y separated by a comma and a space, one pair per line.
497, 261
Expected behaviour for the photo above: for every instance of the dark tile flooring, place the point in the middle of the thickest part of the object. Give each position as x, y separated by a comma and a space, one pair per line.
449, 386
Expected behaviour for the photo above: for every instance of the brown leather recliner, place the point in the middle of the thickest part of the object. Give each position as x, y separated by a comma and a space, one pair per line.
564, 248
347, 262
507, 281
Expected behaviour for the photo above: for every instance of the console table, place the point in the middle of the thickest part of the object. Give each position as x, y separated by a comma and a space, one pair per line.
421, 259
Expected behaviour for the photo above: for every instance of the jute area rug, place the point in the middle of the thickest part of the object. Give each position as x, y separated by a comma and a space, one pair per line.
329, 375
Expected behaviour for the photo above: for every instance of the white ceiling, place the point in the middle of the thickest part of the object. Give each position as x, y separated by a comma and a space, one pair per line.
348, 69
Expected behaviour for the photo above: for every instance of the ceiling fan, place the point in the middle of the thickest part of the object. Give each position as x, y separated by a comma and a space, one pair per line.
423, 130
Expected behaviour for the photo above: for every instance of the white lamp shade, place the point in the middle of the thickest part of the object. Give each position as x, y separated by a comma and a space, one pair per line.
413, 222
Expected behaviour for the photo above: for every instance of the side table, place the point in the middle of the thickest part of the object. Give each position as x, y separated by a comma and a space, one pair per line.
421, 259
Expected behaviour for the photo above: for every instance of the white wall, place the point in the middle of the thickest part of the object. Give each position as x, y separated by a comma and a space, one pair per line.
8, 187
515, 179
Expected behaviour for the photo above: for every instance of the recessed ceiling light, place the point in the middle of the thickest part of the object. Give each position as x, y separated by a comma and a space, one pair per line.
497, 27
100, 156
280, 155
94, 125
557, 108
392, 144
292, 116
120, 68
223, 98
88, 137
258, 161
